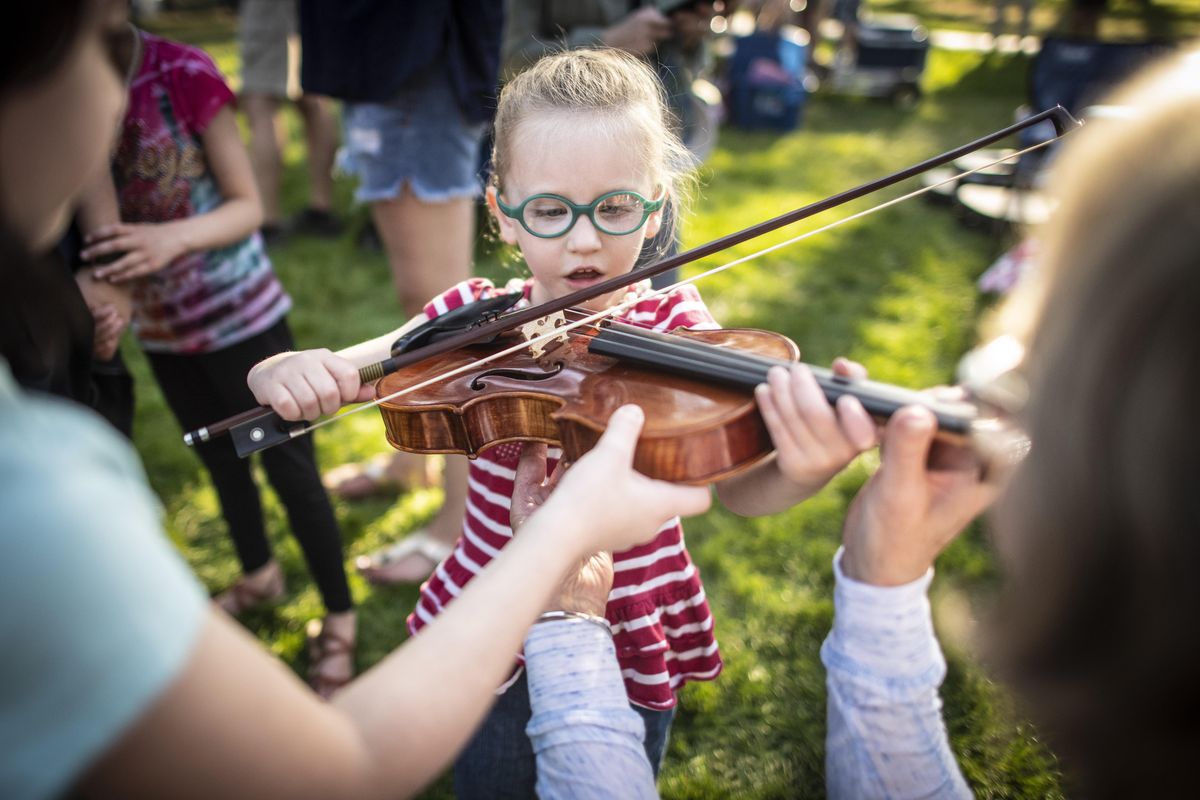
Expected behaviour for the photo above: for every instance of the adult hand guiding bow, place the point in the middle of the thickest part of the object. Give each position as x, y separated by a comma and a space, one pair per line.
260, 428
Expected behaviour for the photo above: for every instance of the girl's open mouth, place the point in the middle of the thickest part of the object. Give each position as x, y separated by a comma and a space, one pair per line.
584, 275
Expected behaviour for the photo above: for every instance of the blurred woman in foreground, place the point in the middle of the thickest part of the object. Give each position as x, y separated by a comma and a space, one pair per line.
1097, 528
119, 677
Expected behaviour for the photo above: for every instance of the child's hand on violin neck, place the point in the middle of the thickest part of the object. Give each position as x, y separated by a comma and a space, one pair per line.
814, 440
612, 506
307, 384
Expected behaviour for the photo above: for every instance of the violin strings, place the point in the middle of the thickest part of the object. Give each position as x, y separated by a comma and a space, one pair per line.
619, 307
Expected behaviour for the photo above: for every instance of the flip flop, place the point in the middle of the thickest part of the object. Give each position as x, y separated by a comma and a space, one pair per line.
375, 566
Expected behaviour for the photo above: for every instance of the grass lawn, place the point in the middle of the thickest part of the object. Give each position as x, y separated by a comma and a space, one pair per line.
895, 291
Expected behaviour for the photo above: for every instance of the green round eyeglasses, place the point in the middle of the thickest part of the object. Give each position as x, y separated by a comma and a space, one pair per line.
548, 216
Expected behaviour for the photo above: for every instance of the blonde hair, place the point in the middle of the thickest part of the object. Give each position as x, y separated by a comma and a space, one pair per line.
616, 92
1101, 520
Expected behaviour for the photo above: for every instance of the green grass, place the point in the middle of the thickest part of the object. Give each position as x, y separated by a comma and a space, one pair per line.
894, 290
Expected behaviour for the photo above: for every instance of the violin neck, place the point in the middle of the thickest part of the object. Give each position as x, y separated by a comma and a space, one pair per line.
739, 369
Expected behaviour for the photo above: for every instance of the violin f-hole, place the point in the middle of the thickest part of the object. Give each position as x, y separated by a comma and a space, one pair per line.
479, 385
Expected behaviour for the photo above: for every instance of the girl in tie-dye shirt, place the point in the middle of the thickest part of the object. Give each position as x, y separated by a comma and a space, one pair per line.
207, 306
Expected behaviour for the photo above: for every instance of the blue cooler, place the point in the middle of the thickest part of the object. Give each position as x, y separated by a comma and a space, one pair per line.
766, 82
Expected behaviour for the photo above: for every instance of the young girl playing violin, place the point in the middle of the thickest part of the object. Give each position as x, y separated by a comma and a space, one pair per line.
584, 161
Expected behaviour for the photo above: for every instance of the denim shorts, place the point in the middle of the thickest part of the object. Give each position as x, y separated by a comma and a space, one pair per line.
418, 137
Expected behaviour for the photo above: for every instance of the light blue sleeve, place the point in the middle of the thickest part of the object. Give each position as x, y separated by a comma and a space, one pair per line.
587, 740
100, 612
886, 737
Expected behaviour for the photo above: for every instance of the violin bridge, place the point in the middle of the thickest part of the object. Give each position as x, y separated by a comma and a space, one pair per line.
540, 327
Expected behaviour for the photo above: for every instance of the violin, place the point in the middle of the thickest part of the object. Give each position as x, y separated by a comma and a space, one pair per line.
701, 422
695, 387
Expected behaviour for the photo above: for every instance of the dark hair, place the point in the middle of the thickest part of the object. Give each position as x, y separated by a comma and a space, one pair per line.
1102, 521
36, 38
34, 41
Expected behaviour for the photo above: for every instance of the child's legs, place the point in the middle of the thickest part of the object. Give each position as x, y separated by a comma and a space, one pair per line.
292, 470
658, 732
498, 761
189, 392
210, 386
291, 467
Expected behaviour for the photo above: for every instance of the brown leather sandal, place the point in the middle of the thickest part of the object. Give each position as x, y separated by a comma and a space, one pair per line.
323, 647
242, 597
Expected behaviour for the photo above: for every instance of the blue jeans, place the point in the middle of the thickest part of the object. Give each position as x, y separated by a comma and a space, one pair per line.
498, 761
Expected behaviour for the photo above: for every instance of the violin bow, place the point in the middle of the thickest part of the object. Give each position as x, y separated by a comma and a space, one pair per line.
260, 428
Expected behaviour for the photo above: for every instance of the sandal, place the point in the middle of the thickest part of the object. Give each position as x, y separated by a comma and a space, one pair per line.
244, 596
384, 566
325, 646
379, 476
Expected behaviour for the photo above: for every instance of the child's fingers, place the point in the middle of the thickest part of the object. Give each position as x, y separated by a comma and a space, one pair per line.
281, 400
115, 244
344, 374
849, 369
305, 397
325, 390
781, 433
107, 232
560, 468
857, 425
812, 406
531, 468
780, 381
118, 269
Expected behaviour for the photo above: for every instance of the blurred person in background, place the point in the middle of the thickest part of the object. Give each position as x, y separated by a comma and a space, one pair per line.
269, 44
419, 82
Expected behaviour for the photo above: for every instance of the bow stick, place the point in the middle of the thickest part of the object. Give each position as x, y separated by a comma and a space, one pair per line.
260, 428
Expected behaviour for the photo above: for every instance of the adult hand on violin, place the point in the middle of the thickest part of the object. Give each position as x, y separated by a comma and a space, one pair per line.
923, 494
306, 384
147, 248
813, 440
586, 589
620, 507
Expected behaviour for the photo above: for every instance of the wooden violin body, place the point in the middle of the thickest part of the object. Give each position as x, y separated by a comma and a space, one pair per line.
696, 431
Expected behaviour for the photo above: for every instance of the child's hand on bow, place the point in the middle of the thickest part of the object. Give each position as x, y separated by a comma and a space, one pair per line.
147, 248
307, 384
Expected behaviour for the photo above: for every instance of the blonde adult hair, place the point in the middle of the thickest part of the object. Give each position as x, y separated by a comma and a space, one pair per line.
609, 89
1101, 523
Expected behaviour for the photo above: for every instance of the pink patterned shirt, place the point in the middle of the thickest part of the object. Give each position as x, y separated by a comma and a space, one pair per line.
203, 301
661, 622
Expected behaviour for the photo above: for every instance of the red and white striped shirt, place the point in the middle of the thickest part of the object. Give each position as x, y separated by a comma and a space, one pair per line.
661, 622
